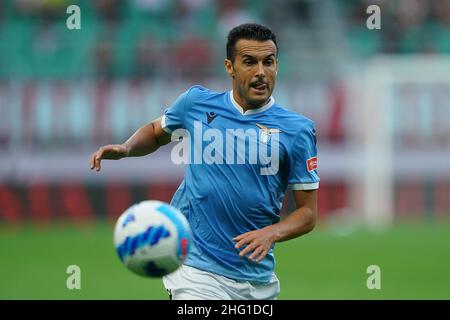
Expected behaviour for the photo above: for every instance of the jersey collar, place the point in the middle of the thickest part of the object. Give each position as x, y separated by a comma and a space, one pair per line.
251, 111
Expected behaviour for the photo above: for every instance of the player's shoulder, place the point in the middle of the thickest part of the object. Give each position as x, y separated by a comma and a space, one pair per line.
201, 92
293, 121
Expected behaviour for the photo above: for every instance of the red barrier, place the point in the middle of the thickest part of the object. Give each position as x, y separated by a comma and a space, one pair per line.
78, 204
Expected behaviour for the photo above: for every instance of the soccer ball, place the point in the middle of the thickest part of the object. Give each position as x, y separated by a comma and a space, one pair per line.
152, 238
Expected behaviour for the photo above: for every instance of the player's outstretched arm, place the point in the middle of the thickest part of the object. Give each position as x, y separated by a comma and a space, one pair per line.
145, 140
299, 222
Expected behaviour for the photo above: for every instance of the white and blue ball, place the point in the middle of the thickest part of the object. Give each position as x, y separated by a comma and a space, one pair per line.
152, 238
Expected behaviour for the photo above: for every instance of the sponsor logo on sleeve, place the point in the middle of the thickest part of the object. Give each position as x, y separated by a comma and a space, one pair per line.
311, 163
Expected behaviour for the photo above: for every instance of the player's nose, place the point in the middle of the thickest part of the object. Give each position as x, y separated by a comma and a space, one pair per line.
260, 70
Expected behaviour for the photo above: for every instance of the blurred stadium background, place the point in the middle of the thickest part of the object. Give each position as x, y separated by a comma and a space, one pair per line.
380, 99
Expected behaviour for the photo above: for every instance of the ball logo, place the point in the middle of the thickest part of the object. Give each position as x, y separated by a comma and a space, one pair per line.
129, 218
150, 237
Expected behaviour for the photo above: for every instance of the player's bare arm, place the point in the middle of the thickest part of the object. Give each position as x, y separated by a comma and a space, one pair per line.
145, 140
299, 222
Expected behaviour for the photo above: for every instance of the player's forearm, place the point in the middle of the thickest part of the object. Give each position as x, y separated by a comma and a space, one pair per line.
298, 223
143, 141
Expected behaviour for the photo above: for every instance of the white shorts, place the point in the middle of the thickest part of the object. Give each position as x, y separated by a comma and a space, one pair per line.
188, 283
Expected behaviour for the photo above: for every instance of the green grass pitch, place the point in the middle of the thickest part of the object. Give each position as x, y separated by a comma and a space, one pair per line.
414, 261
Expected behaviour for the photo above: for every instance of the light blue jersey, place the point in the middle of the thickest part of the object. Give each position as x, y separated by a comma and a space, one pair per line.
239, 167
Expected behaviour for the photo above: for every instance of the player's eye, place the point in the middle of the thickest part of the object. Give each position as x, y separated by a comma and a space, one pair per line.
268, 62
248, 62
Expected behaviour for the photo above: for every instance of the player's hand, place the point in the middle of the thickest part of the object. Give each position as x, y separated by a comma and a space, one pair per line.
112, 152
258, 242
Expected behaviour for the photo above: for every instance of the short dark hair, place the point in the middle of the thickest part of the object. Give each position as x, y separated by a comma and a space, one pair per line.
248, 31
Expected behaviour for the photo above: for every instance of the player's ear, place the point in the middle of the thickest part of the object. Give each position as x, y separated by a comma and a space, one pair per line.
229, 67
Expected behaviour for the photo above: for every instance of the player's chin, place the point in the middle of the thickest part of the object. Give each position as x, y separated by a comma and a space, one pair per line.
259, 96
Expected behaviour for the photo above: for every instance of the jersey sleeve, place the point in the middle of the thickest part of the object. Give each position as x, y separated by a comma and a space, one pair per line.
175, 115
303, 173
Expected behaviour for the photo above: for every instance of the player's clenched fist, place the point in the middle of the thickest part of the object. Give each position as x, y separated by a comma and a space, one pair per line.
112, 152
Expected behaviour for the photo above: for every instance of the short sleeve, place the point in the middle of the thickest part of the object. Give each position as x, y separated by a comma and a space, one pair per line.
174, 116
303, 173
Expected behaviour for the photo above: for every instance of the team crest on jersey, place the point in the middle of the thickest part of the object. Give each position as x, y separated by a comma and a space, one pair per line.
266, 133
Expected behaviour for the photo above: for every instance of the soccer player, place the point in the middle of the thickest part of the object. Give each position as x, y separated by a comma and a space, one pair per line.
245, 152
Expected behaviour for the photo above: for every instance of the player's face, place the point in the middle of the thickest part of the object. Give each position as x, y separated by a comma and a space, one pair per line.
253, 71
